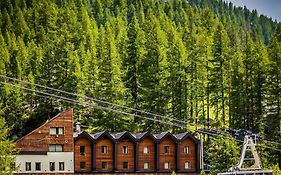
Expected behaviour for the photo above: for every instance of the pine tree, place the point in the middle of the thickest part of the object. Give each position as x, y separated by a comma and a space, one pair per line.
136, 55
154, 74
7, 151
273, 99
219, 72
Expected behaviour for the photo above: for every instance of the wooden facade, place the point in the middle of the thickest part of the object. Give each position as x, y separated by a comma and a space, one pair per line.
40, 139
125, 152
166, 152
146, 149
83, 153
187, 142
116, 153
104, 146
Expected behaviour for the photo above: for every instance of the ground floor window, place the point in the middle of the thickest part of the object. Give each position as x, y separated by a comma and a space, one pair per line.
52, 166
61, 166
166, 165
37, 166
125, 165
104, 165
82, 165
145, 165
186, 165
27, 166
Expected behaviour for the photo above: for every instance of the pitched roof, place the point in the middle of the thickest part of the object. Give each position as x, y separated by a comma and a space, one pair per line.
101, 135
97, 135
84, 134
142, 135
159, 136
185, 135
48, 121
121, 135
118, 135
164, 135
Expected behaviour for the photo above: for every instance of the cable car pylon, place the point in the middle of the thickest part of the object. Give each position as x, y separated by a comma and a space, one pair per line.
249, 146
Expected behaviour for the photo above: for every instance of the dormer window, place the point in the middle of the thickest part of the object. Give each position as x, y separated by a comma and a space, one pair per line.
56, 131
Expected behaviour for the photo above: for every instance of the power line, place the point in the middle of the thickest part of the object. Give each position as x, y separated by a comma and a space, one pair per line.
77, 102
269, 147
93, 106
97, 100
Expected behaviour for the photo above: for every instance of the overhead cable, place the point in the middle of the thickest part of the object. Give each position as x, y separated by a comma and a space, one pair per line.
97, 100
93, 106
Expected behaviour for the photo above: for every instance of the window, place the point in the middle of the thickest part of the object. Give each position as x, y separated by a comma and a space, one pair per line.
145, 150
125, 150
82, 150
104, 165
56, 131
82, 165
145, 165
125, 165
52, 166
166, 165
166, 149
27, 166
55, 148
37, 166
104, 149
61, 166
186, 165
186, 150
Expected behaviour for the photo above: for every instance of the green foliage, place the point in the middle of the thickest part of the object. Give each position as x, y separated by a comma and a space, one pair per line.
6, 150
222, 153
205, 62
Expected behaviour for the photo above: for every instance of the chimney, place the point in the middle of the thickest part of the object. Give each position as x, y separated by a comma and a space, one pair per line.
78, 127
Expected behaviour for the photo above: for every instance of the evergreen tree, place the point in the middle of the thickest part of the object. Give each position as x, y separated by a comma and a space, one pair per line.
273, 100
219, 73
7, 151
222, 153
154, 73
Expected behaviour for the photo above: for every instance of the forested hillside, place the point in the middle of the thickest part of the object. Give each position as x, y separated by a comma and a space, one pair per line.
218, 66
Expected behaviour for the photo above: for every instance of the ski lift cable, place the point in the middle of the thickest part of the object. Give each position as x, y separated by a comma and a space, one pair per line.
97, 100
93, 106
69, 100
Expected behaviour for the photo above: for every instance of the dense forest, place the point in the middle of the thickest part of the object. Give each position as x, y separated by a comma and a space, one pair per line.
200, 61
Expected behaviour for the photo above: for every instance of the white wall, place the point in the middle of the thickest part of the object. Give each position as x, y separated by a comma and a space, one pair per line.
66, 157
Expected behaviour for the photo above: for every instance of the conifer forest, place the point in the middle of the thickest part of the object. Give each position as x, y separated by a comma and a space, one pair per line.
205, 62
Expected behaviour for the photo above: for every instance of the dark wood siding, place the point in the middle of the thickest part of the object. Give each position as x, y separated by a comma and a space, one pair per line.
150, 157
170, 157
104, 157
129, 157
83, 158
40, 138
190, 157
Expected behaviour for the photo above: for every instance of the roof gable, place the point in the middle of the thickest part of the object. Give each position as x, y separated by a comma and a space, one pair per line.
185, 135
102, 135
143, 135
121, 135
85, 135
40, 138
161, 136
